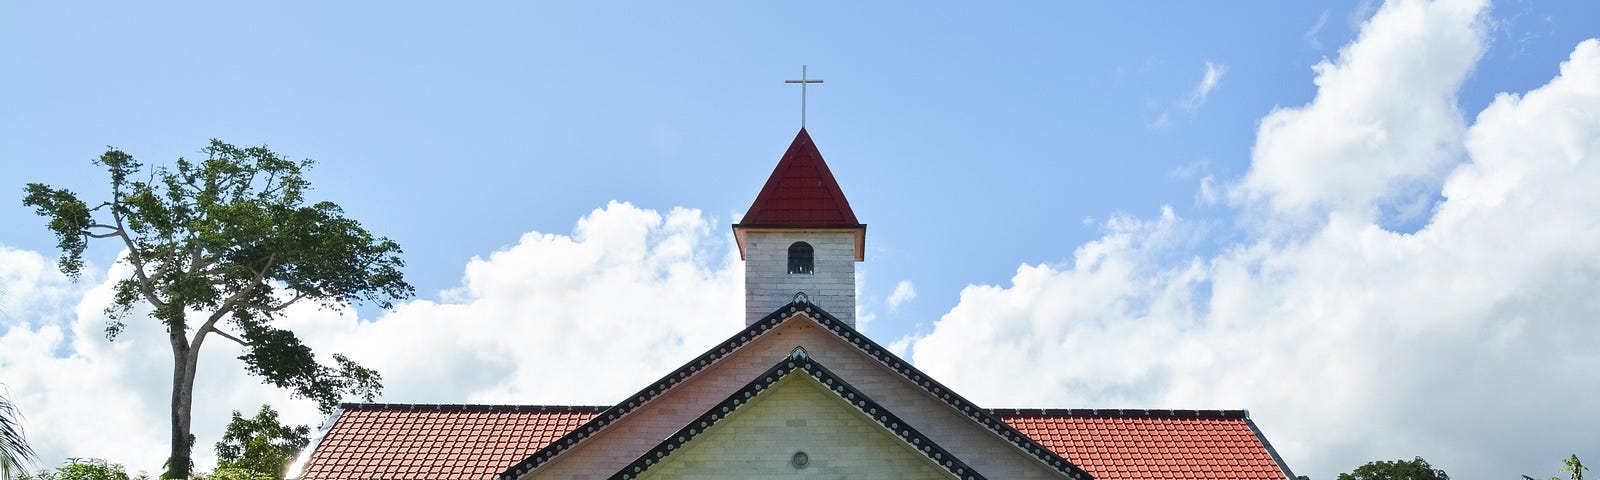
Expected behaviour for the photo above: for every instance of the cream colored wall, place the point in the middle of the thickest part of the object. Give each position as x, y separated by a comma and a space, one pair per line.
759, 440
623, 441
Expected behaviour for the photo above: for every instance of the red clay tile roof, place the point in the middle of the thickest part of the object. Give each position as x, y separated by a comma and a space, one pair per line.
371, 441
485, 442
1144, 444
800, 193
438, 442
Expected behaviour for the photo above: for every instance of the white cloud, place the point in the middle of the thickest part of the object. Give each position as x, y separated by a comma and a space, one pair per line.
1315, 30
903, 292
1208, 82
1469, 342
1384, 127
583, 318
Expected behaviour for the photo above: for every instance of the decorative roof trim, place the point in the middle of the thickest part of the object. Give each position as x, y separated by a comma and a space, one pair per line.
1123, 412
800, 361
1282, 467
845, 332
459, 407
300, 461
978, 415
650, 392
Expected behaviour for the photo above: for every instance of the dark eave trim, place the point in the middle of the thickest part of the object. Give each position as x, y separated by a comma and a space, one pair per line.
1121, 413
470, 407
297, 469
798, 226
1282, 467
650, 392
981, 416
800, 361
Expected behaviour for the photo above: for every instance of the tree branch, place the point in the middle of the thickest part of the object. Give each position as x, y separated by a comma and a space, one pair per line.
281, 306
114, 231
229, 336
231, 303
137, 260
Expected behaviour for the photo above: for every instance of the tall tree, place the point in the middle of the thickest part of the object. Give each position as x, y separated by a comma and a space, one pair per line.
260, 446
221, 247
1414, 469
15, 454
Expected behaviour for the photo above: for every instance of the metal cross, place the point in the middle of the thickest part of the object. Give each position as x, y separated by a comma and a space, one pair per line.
802, 81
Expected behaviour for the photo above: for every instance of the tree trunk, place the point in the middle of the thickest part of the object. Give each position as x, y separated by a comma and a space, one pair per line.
184, 361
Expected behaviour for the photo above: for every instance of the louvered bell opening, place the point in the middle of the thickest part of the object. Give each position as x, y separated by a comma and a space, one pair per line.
800, 258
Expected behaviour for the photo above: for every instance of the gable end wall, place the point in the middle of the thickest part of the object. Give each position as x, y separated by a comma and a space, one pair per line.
623, 441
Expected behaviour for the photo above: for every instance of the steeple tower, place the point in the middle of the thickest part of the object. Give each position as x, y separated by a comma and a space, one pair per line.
800, 236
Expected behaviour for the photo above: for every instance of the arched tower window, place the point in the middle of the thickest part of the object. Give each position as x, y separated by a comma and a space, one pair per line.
800, 258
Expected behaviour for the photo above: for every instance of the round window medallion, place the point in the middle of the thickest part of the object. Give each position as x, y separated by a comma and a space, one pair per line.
800, 460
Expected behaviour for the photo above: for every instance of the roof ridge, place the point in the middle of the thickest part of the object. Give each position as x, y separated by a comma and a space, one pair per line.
472, 407
799, 361
983, 417
1124, 412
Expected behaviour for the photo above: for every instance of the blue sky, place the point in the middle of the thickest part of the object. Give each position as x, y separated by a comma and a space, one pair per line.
974, 138
971, 138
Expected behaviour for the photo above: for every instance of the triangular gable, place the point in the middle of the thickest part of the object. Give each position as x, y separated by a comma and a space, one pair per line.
800, 364
844, 332
800, 193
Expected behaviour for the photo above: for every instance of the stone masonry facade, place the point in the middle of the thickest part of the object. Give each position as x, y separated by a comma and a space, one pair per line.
615, 446
759, 441
768, 285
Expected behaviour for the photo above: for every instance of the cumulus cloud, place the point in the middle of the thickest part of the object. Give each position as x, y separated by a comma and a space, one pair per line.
903, 292
582, 318
1469, 342
1384, 127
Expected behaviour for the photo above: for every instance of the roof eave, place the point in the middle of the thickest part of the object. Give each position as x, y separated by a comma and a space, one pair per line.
859, 229
800, 362
300, 462
1273, 452
847, 333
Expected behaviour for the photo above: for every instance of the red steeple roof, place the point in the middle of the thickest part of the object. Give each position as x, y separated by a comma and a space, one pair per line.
801, 193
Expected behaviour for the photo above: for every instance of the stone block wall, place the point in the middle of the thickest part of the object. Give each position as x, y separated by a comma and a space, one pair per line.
768, 284
759, 441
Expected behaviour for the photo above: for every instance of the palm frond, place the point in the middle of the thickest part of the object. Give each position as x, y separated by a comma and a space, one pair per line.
16, 457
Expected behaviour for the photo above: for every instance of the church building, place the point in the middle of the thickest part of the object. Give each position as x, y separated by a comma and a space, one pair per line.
797, 393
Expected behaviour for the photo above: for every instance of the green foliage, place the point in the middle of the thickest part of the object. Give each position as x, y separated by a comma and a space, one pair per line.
233, 238
15, 454
1415, 469
238, 474
1574, 467
87, 469
1571, 466
260, 446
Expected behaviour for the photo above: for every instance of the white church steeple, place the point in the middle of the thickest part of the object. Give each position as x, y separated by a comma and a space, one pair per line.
800, 236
